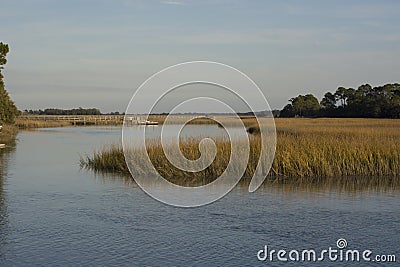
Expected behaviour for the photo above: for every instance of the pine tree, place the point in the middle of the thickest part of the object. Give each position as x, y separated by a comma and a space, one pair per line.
8, 110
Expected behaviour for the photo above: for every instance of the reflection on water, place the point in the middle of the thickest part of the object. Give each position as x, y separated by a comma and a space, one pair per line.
54, 213
113, 178
5, 156
339, 185
3, 208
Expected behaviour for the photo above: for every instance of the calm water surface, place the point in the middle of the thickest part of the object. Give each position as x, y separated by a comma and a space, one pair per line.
54, 214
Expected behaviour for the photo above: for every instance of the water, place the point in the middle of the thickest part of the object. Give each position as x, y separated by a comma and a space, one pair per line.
54, 214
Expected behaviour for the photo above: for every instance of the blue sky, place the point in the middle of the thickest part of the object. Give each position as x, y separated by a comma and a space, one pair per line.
96, 53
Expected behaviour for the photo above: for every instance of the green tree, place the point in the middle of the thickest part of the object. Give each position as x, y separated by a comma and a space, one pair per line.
287, 111
329, 101
302, 106
365, 102
8, 110
3, 52
342, 94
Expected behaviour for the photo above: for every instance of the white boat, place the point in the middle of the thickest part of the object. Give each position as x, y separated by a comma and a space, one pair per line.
146, 122
2, 145
139, 121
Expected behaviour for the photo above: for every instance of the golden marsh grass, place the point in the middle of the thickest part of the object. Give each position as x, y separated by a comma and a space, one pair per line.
26, 124
307, 151
8, 134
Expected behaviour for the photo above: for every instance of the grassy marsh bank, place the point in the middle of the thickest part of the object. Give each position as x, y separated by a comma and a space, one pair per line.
27, 124
8, 134
307, 151
228, 120
45, 121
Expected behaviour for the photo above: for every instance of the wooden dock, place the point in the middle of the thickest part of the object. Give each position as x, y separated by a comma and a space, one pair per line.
78, 119
109, 119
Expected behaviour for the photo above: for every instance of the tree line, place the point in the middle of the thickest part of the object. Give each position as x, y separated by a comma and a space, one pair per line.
364, 102
8, 110
57, 111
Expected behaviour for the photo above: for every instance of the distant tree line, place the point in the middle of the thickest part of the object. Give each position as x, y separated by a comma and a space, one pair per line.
364, 102
57, 111
8, 110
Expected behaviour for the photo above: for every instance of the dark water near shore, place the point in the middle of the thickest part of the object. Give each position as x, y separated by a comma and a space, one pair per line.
54, 214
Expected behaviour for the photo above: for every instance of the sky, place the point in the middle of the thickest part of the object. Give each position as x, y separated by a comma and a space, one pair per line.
96, 53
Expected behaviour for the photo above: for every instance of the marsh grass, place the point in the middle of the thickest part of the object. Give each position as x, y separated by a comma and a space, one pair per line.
351, 152
228, 120
23, 123
27, 124
337, 147
109, 159
8, 134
